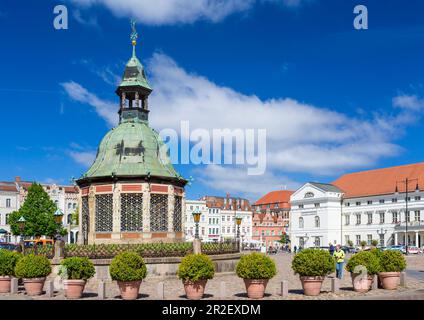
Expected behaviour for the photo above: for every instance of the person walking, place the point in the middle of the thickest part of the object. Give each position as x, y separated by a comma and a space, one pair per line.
339, 256
331, 249
295, 249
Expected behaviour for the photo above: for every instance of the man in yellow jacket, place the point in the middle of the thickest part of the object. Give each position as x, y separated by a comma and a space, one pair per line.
339, 256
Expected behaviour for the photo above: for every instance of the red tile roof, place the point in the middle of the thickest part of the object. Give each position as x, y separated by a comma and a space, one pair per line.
381, 181
8, 186
282, 197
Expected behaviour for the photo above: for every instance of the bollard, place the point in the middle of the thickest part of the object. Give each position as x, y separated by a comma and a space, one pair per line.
101, 290
374, 282
49, 289
14, 287
284, 289
403, 279
222, 290
335, 285
161, 291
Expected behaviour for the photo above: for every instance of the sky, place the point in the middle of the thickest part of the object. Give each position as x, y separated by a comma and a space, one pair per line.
332, 99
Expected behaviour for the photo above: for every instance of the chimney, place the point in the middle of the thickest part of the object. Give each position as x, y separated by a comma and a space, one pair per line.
17, 179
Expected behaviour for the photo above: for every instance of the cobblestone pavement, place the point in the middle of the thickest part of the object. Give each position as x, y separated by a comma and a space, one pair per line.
235, 289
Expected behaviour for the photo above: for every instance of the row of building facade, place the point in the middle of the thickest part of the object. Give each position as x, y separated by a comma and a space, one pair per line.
13, 195
365, 206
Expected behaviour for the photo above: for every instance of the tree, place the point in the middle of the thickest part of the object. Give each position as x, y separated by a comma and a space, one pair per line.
284, 239
38, 211
75, 216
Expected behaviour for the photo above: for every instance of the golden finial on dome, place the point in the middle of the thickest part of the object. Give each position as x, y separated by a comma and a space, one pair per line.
134, 34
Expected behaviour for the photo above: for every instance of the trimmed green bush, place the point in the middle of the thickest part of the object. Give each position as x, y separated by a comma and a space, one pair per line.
128, 266
313, 263
76, 268
8, 260
256, 266
392, 261
368, 259
32, 266
196, 267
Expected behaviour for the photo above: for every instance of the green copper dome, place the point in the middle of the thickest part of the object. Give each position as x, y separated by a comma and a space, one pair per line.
134, 75
132, 149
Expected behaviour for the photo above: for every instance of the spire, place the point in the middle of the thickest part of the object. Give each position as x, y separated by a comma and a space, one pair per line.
134, 88
133, 36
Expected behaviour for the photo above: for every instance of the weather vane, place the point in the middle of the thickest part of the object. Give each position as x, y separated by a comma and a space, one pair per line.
134, 34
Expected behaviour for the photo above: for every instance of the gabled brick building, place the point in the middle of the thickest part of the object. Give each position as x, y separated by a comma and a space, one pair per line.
271, 215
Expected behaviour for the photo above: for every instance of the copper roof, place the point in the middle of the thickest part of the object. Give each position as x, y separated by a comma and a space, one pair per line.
381, 181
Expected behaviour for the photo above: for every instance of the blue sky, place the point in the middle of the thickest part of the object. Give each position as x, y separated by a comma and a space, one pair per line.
333, 99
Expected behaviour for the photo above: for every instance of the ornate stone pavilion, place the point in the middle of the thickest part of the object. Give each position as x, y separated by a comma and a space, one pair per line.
132, 193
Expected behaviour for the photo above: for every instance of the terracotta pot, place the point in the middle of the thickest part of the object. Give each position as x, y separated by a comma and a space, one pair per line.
129, 289
389, 280
74, 288
34, 286
361, 283
255, 288
312, 285
195, 290
5, 284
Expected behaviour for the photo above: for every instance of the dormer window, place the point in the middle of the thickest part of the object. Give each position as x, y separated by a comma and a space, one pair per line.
309, 195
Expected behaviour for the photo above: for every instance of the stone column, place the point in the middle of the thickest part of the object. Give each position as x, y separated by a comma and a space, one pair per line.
116, 213
81, 236
146, 207
92, 214
416, 238
396, 238
171, 206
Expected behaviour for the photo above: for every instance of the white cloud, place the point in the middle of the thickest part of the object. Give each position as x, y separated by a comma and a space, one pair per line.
235, 180
159, 12
300, 137
90, 21
105, 109
85, 158
409, 102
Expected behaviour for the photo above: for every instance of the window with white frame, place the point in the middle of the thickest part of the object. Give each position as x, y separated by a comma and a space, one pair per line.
369, 239
369, 218
317, 242
358, 218
347, 239
382, 217
347, 219
301, 223
358, 239
417, 215
395, 218
317, 222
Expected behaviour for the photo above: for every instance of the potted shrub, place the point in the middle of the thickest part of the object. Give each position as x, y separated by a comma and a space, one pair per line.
194, 271
75, 271
362, 267
363, 244
129, 270
392, 263
312, 266
374, 243
256, 269
8, 260
33, 270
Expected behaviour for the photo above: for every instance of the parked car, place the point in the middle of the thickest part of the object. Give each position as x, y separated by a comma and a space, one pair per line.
349, 249
397, 248
413, 250
9, 246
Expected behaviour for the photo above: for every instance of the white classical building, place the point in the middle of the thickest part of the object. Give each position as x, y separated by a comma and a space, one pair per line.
13, 195
218, 221
361, 206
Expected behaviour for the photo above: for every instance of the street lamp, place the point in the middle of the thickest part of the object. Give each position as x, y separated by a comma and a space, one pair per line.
407, 218
58, 216
21, 225
238, 222
382, 232
196, 216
